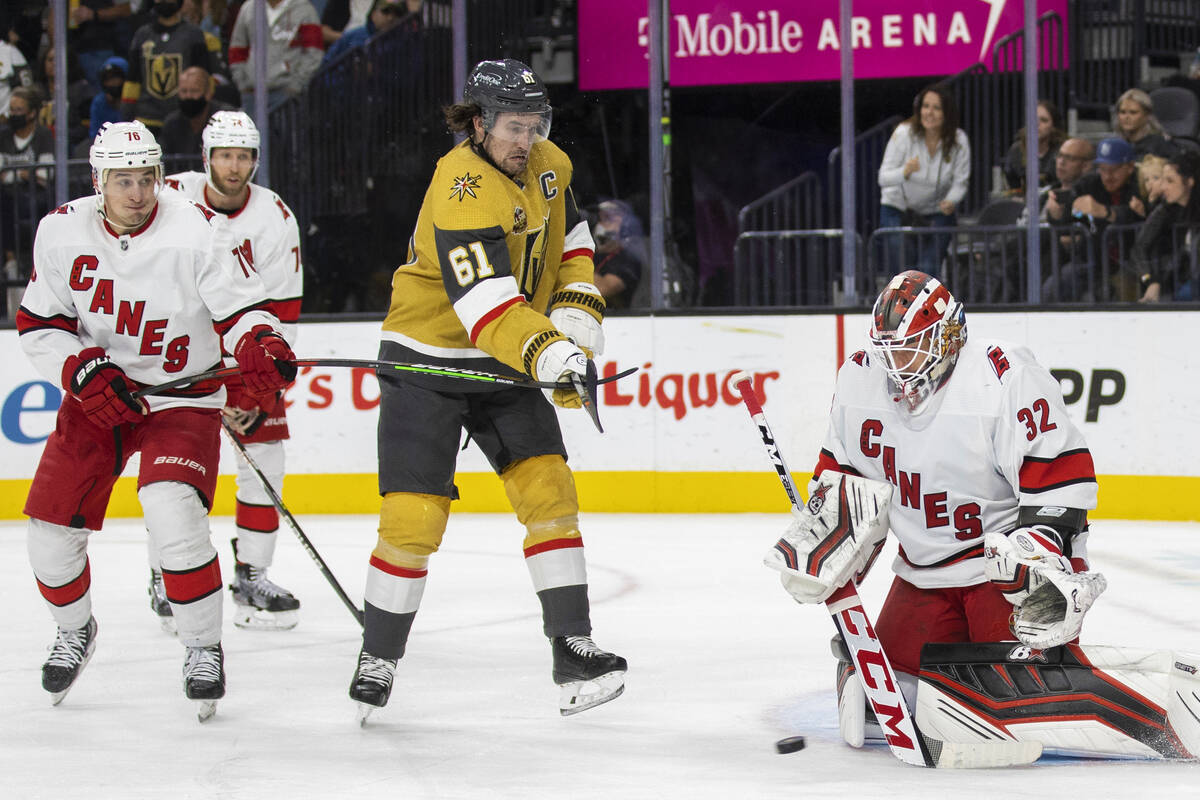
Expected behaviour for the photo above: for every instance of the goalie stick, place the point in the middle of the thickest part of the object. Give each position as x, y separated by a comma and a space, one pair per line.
287, 515
423, 369
871, 662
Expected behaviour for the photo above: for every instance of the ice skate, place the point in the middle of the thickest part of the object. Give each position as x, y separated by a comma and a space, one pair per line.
372, 683
69, 654
261, 604
159, 603
204, 678
586, 675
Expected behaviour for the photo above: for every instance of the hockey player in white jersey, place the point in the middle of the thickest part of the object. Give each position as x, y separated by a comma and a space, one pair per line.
135, 288
267, 239
975, 441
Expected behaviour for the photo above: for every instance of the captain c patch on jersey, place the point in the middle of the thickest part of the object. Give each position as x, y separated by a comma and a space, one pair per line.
465, 185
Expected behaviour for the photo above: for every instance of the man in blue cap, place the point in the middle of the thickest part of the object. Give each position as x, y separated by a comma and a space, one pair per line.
106, 105
1101, 199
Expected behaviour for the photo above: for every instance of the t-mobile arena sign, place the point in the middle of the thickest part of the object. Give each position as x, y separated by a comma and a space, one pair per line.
773, 41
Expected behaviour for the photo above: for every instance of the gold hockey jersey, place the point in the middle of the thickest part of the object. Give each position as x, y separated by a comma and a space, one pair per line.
489, 258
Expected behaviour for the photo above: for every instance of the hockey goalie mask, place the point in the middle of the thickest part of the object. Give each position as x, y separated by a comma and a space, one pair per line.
124, 145
229, 129
917, 330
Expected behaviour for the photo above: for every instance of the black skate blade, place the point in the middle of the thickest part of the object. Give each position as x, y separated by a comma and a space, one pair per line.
206, 710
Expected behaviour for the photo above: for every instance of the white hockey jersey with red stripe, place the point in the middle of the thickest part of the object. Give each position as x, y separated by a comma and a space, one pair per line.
267, 239
159, 300
995, 437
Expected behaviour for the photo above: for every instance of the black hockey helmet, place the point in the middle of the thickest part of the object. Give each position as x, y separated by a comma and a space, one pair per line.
507, 85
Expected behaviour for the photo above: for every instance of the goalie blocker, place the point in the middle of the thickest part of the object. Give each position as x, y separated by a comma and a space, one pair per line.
1076, 700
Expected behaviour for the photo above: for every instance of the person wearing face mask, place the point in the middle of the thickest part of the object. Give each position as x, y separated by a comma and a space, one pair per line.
159, 54
182, 129
106, 105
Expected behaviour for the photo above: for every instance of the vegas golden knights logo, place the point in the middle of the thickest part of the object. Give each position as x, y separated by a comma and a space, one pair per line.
162, 72
534, 260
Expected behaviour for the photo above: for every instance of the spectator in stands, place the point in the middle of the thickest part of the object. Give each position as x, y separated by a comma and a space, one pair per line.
92, 34
923, 177
1149, 174
384, 16
207, 14
79, 97
294, 49
1134, 121
620, 253
160, 52
106, 105
1102, 198
1161, 258
15, 72
181, 133
341, 16
23, 142
1050, 137
1074, 159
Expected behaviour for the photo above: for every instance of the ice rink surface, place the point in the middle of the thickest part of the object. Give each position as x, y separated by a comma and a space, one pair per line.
722, 664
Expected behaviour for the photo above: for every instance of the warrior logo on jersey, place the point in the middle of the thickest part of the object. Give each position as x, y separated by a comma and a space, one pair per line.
465, 185
520, 220
162, 72
817, 501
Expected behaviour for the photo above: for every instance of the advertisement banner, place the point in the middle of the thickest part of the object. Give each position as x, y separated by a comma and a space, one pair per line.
676, 436
711, 42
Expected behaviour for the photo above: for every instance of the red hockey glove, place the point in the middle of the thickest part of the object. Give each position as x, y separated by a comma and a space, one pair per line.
244, 412
102, 389
265, 361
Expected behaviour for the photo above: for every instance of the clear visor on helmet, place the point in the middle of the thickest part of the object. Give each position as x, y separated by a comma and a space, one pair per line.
518, 127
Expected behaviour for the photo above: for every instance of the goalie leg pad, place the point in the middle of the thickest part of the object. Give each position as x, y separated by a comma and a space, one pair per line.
834, 538
1075, 700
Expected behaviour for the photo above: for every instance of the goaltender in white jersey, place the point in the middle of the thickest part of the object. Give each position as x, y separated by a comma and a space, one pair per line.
266, 240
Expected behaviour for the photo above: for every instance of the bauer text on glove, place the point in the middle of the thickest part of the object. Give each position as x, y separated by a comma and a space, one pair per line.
102, 388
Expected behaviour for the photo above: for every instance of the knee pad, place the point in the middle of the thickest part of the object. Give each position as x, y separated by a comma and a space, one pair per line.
178, 522
56, 553
411, 526
542, 492
270, 459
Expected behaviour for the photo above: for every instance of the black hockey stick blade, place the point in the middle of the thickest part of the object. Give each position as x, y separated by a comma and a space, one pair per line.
424, 369
586, 388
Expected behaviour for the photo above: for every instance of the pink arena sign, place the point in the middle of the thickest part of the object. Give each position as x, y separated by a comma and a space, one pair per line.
772, 41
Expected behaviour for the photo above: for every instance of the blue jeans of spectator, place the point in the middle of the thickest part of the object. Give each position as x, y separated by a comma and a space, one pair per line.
930, 248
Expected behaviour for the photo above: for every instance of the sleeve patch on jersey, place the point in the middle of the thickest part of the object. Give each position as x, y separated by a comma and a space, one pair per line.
998, 360
28, 323
861, 359
464, 186
1068, 468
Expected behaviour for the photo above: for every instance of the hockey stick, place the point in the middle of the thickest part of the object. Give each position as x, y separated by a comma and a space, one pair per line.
872, 665
304, 541
423, 369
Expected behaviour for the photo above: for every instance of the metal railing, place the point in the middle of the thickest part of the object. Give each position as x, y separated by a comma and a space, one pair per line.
789, 268
798, 204
868, 155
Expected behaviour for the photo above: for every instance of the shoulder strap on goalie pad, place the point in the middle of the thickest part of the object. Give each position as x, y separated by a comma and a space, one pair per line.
1075, 700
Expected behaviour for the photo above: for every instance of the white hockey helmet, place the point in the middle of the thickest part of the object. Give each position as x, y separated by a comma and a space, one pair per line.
917, 331
124, 145
229, 129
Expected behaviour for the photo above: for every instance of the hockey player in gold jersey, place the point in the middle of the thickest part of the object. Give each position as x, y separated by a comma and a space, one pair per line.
498, 278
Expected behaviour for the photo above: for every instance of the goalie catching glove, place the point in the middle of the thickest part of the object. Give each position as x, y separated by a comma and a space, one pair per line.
834, 539
1050, 599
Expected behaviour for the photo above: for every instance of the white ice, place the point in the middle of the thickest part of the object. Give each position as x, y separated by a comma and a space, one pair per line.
722, 664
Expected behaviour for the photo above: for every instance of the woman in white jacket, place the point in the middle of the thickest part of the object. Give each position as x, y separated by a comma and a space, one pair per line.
923, 177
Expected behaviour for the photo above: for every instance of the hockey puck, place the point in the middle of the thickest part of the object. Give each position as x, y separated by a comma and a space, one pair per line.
790, 745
